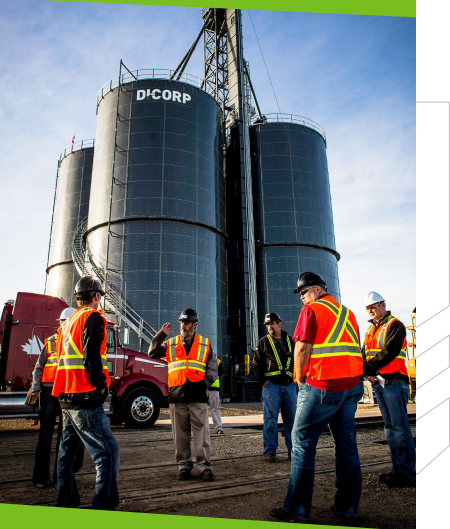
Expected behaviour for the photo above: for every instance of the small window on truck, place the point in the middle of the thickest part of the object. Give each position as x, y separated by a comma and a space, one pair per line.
110, 341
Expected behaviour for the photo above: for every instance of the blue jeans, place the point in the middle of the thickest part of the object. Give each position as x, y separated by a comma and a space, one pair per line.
275, 397
315, 409
92, 427
392, 400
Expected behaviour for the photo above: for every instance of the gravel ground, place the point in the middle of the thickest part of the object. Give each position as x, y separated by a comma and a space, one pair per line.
380, 508
227, 410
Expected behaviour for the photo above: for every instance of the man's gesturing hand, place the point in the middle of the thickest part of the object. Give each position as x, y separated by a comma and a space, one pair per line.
166, 328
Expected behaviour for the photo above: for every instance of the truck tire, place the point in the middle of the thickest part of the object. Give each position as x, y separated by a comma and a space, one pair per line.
141, 408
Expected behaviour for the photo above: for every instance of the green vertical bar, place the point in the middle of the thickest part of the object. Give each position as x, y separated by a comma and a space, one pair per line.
432, 148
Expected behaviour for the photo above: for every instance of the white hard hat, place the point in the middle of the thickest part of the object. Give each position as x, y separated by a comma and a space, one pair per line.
372, 297
66, 313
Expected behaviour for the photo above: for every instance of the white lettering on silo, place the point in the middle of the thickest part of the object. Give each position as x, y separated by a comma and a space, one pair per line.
167, 95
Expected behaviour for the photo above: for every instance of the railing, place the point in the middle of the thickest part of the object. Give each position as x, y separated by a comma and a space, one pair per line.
77, 146
292, 118
150, 73
85, 264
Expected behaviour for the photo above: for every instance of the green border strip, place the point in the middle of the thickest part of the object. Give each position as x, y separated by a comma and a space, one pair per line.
391, 8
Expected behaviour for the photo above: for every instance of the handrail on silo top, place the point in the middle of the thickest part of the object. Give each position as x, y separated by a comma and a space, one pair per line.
150, 73
77, 146
292, 118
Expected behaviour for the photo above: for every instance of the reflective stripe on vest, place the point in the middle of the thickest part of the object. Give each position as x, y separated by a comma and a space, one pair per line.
332, 345
49, 372
335, 352
182, 367
216, 383
374, 342
281, 369
71, 374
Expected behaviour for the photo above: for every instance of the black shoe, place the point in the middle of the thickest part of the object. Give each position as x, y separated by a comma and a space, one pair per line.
290, 456
270, 458
280, 515
206, 475
399, 482
184, 474
220, 432
348, 521
384, 477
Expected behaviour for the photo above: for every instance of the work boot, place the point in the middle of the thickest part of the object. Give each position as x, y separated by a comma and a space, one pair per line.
184, 474
45, 484
348, 521
270, 458
384, 477
206, 475
399, 482
220, 432
280, 515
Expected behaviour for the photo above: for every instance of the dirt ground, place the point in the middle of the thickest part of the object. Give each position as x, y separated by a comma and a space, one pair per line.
239, 459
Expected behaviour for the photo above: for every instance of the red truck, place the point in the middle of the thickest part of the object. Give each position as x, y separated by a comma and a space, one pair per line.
138, 384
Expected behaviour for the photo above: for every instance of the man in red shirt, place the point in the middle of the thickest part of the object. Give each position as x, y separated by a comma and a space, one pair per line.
328, 370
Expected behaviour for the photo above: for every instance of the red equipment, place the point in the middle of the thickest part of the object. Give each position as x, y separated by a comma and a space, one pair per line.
138, 384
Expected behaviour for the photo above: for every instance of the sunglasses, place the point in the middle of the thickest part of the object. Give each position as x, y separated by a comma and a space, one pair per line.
305, 290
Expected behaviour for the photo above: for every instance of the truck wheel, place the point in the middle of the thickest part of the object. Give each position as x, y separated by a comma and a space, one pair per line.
141, 408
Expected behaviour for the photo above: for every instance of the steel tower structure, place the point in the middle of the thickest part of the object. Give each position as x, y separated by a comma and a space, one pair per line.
226, 78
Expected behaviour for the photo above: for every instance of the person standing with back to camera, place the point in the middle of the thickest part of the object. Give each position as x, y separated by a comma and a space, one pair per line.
81, 384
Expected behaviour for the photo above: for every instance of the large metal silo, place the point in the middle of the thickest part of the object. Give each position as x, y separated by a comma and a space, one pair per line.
293, 217
164, 201
71, 204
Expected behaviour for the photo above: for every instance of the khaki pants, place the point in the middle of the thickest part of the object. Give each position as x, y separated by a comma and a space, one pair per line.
214, 406
184, 417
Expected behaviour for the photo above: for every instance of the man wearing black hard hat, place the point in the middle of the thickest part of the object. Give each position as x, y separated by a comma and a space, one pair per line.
81, 384
273, 364
192, 369
328, 370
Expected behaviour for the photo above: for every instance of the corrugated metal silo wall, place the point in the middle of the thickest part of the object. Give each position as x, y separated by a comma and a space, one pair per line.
71, 206
294, 229
168, 216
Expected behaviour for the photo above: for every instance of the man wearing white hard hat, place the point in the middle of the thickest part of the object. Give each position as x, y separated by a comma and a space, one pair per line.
42, 386
385, 350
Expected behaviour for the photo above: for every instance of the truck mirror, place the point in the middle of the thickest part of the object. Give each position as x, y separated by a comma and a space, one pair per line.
126, 336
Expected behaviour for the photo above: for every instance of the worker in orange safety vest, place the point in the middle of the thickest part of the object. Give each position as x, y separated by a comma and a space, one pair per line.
385, 351
49, 408
81, 384
328, 371
192, 368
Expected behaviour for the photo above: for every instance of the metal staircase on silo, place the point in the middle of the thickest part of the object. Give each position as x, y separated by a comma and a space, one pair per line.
86, 265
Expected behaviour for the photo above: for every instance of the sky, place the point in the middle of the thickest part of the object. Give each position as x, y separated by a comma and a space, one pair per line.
354, 75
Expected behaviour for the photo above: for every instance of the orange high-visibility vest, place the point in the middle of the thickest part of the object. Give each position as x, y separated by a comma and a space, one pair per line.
335, 352
51, 344
71, 375
374, 342
184, 367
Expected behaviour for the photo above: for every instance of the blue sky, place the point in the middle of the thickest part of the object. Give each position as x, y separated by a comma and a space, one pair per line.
354, 75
